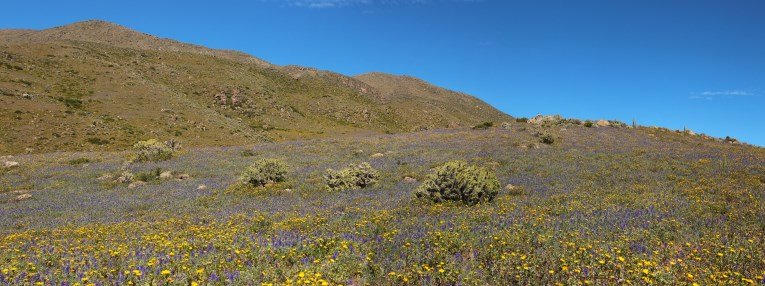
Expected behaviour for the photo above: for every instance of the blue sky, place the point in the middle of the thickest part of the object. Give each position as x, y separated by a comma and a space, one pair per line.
696, 64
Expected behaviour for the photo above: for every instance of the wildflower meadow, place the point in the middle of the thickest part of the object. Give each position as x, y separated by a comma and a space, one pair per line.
599, 206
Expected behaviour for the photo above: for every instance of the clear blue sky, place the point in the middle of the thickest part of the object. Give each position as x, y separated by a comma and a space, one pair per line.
674, 63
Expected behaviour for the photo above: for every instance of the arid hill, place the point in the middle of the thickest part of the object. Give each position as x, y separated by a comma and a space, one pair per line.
95, 85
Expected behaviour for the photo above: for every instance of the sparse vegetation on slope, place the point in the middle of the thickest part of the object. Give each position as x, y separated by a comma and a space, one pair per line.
583, 203
424, 106
65, 87
605, 205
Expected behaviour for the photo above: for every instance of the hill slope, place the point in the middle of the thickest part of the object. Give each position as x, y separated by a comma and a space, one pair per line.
620, 202
420, 99
99, 86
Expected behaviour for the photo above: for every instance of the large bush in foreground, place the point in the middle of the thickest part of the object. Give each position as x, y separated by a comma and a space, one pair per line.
353, 177
152, 150
458, 181
264, 171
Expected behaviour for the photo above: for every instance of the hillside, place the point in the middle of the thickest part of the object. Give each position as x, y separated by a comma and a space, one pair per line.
95, 85
423, 101
637, 206
258, 193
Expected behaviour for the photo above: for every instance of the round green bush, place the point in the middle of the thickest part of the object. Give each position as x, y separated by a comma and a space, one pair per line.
264, 171
354, 176
152, 150
335, 180
458, 181
364, 174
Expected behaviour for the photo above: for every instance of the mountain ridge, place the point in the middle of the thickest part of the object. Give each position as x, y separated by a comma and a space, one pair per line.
95, 85
100, 31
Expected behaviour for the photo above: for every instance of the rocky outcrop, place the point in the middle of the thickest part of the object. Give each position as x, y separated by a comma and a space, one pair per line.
10, 164
229, 98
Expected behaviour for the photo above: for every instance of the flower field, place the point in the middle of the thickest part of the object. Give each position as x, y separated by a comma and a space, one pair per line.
601, 206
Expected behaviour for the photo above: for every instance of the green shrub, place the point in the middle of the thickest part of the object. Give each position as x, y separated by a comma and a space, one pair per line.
589, 123
264, 171
616, 123
729, 139
355, 176
125, 178
547, 138
522, 119
364, 174
152, 150
458, 181
248, 153
79, 161
338, 180
148, 176
71, 102
97, 141
485, 125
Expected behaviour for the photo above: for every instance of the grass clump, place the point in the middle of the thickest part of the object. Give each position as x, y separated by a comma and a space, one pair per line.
248, 153
152, 150
547, 138
79, 161
458, 181
482, 126
71, 102
148, 176
264, 171
97, 141
355, 176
